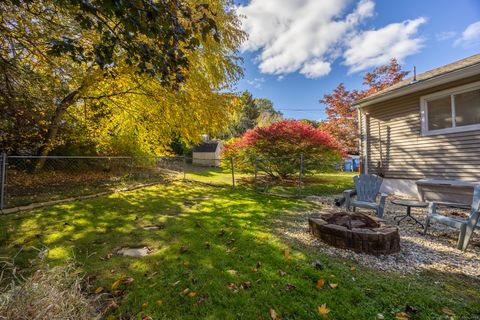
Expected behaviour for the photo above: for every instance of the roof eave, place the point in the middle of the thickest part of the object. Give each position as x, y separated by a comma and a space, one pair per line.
421, 85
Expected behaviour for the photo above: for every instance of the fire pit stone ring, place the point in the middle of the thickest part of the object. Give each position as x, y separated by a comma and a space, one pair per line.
355, 231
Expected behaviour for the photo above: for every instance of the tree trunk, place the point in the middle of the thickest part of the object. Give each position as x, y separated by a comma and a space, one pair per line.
54, 124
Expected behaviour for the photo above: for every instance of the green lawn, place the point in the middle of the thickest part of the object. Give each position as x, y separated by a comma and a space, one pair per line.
232, 262
313, 184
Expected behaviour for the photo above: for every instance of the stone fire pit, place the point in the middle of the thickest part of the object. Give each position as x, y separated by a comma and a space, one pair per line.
355, 231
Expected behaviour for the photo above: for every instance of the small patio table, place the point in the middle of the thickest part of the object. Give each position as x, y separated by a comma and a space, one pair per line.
409, 204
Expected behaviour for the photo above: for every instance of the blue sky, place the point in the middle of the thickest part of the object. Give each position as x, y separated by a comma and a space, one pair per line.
299, 50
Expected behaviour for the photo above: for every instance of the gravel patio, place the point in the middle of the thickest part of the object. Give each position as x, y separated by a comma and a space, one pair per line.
435, 251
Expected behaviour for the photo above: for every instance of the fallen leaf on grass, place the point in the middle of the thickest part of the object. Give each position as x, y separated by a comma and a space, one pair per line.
183, 249
192, 294
159, 302
274, 315
111, 306
186, 263
290, 287
402, 316
98, 290
201, 300
320, 283
116, 284
353, 269
246, 285
448, 311
186, 291
282, 273
323, 310
286, 253
144, 306
232, 286
410, 309
317, 265
333, 285
118, 293
232, 272
106, 257
128, 281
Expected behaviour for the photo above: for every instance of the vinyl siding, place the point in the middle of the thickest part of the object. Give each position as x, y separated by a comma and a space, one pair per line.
393, 129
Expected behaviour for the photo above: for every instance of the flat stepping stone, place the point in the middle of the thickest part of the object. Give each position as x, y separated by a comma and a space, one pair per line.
153, 227
135, 252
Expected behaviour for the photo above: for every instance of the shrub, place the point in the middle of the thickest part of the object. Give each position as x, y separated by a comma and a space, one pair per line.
281, 145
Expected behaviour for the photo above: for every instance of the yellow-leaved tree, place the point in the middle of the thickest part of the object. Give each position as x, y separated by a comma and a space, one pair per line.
119, 86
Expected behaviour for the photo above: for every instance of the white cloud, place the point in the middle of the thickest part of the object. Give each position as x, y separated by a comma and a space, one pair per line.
306, 36
315, 68
256, 82
298, 35
376, 47
446, 35
470, 36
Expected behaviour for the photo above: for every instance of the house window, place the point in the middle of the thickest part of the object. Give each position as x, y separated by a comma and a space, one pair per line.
453, 110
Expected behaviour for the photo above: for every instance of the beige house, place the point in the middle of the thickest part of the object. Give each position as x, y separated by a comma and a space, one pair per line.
424, 127
207, 153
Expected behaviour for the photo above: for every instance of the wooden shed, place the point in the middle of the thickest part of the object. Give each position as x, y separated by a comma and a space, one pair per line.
207, 153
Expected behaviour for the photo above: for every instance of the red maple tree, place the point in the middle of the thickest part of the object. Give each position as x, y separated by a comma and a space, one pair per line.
342, 122
282, 143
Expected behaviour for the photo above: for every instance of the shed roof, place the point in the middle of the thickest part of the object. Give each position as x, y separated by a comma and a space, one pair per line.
423, 79
207, 146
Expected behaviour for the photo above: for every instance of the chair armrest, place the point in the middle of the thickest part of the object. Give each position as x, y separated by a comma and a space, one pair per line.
348, 194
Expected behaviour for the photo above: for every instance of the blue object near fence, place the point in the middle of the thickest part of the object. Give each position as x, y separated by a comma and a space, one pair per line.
351, 165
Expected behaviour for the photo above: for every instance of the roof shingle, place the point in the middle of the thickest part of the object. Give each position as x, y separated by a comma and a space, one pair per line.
208, 146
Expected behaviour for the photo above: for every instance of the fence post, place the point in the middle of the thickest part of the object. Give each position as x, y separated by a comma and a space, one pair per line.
130, 169
233, 172
300, 175
256, 172
184, 167
3, 172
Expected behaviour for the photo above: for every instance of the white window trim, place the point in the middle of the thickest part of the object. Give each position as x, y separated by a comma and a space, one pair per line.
451, 92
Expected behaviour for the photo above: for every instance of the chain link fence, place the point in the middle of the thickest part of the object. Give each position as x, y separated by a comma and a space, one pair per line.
26, 180
293, 176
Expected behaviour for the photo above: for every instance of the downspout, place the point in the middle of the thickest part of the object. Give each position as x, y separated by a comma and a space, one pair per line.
363, 127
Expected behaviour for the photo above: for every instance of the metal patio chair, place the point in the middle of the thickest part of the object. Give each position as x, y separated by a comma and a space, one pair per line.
367, 188
466, 226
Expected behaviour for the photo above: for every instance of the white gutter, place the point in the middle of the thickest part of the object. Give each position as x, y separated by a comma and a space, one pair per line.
447, 77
